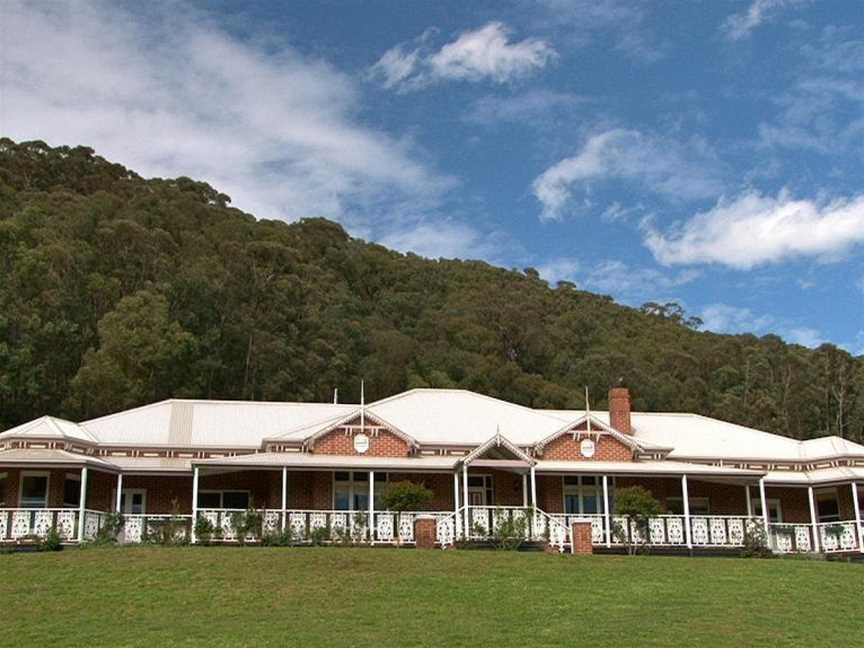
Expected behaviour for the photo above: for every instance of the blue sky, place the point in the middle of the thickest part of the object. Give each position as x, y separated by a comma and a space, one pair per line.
709, 153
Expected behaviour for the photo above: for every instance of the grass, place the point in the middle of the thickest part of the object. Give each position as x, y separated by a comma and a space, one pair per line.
221, 596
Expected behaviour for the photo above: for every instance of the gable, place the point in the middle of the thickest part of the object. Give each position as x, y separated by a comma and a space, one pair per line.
568, 448
381, 441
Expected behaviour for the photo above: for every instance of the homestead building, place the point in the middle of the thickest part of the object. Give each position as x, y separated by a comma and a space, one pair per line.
309, 466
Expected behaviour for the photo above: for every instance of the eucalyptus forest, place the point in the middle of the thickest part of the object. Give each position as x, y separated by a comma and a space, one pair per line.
117, 291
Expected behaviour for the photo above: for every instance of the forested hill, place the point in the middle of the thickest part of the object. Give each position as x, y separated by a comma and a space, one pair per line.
118, 291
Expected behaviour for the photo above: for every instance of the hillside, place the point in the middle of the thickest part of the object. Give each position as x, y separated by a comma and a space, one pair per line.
118, 291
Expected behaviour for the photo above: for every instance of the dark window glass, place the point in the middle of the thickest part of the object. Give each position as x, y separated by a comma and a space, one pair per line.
235, 500
589, 481
34, 491
476, 481
380, 477
2, 491
361, 476
209, 500
343, 476
571, 481
72, 492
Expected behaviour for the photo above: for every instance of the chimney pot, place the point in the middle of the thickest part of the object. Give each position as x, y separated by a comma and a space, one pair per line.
619, 409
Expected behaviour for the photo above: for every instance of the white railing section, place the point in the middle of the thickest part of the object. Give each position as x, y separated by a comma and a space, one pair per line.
791, 538
139, 528
838, 536
21, 524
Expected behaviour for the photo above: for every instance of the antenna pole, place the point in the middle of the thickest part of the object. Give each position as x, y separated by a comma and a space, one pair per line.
587, 410
362, 405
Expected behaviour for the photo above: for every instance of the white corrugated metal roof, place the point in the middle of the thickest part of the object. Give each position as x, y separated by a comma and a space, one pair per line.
50, 427
201, 423
46, 456
459, 417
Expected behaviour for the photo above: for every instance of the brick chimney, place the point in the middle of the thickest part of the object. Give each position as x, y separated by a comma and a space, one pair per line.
619, 409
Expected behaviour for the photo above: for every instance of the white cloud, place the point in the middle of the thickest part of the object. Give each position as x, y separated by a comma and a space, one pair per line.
662, 166
533, 108
804, 336
442, 239
626, 283
725, 318
739, 25
167, 93
484, 53
752, 230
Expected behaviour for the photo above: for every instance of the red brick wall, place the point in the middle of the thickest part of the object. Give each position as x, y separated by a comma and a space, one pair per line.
607, 448
264, 486
382, 444
163, 492
550, 493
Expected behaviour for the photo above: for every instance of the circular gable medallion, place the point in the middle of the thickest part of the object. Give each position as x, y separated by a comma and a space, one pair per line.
586, 448
361, 443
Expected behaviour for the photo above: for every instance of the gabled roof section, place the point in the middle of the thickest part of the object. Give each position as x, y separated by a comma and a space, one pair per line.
313, 433
205, 423
497, 441
49, 427
54, 457
632, 442
463, 418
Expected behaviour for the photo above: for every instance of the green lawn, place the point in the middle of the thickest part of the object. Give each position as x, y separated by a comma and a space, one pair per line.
386, 597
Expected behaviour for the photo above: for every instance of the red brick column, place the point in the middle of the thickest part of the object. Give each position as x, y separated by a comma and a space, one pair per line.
581, 533
425, 532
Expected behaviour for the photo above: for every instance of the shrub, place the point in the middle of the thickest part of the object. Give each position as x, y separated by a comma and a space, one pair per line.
509, 533
247, 523
638, 506
282, 538
319, 536
405, 495
112, 524
756, 541
52, 541
204, 530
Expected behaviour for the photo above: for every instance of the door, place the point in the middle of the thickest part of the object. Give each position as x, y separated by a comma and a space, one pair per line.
133, 501
477, 496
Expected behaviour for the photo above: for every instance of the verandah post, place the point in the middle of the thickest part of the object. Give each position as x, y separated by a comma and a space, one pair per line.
607, 526
749, 500
82, 505
465, 530
685, 496
813, 525
764, 501
525, 490
119, 492
194, 504
857, 506
372, 507
284, 496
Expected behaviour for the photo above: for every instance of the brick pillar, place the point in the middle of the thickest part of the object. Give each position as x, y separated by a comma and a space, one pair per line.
581, 533
425, 532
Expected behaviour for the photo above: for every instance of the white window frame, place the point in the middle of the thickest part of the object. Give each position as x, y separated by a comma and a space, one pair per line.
828, 490
579, 491
756, 506
352, 489
222, 492
488, 487
34, 473
127, 493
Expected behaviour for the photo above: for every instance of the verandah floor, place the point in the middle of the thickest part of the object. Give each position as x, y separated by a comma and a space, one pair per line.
366, 597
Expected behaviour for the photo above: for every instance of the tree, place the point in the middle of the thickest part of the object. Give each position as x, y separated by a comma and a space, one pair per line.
638, 505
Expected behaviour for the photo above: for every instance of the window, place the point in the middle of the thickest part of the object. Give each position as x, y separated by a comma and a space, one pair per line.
775, 512
827, 506
481, 491
228, 499
72, 490
2, 490
351, 490
698, 505
34, 490
583, 495
133, 501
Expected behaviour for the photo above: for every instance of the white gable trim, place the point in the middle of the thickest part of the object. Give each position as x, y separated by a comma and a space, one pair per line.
498, 440
309, 442
602, 428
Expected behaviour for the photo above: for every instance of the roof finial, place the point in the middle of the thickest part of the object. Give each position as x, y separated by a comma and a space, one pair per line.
335, 395
362, 405
587, 410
